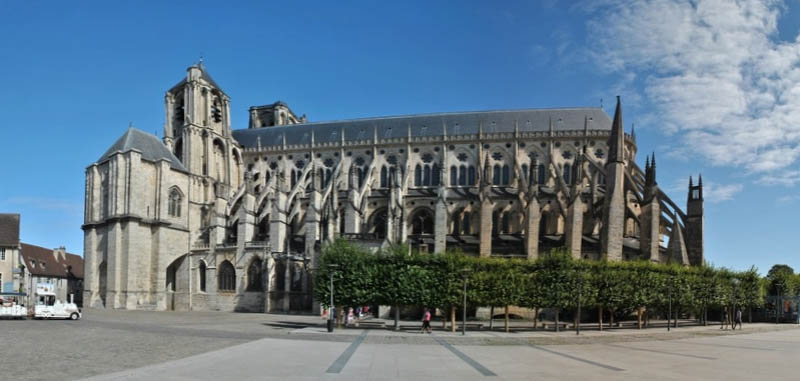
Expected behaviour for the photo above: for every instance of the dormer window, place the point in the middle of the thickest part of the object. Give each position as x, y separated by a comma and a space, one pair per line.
33, 263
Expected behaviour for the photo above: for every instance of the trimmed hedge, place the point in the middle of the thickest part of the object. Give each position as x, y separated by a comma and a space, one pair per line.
399, 277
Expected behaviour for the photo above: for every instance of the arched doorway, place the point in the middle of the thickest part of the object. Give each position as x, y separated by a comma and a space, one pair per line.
377, 223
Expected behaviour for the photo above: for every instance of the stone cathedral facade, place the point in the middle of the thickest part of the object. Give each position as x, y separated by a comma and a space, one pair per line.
210, 218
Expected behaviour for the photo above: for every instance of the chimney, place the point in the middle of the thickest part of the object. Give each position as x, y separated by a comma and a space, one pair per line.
61, 252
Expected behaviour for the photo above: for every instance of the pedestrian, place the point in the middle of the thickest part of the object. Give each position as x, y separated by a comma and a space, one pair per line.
426, 322
738, 318
725, 321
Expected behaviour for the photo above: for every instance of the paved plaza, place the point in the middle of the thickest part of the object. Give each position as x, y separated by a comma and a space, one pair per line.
139, 345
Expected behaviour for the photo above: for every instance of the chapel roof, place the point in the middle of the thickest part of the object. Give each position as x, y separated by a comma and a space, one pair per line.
9, 229
151, 148
456, 123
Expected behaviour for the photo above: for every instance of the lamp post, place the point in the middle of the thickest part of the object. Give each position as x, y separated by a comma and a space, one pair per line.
580, 291
331, 269
464, 275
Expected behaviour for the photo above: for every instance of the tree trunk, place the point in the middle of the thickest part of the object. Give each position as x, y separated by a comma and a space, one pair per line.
453, 319
557, 312
491, 318
639, 317
396, 318
705, 316
646, 318
750, 315
506, 318
675, 320
600, 317
535, 317
444, 321
339, 313
610, 318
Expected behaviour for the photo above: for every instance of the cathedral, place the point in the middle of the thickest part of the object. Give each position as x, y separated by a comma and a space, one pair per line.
210, 218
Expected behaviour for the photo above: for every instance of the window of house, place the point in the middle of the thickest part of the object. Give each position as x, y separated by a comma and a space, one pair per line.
2, 254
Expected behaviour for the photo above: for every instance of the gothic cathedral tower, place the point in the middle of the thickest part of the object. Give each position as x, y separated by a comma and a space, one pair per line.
198, 130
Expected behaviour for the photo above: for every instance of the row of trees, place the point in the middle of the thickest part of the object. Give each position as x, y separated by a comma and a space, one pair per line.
396, 277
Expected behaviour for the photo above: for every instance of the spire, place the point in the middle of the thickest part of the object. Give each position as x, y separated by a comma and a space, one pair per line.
616, 142
700, 180
633, 132
690, 181
653, 168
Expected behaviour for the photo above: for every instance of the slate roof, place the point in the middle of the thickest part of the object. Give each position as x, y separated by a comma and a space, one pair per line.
458, 123
149, 145
54, 266
203, 74
9, 229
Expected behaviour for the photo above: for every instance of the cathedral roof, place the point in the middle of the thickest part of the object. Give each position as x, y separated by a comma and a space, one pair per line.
147, 144
457, 123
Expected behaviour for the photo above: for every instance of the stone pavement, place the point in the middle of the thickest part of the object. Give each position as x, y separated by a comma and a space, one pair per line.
105, 343
767, 355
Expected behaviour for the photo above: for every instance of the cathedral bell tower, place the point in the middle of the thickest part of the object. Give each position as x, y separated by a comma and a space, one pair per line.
198, 130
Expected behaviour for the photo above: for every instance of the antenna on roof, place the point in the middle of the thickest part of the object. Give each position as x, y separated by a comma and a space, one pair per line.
601, 102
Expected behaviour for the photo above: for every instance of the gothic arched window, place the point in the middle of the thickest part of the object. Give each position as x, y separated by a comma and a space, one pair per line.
426, 177
525, 171
418, 175
496, 175
465, 228
542, 174
506, 175
254, 276
175, 198
435, 175
384, 177
422, 222
567, 170
462, 175
453, 176
471, 180
201, 272
227, 277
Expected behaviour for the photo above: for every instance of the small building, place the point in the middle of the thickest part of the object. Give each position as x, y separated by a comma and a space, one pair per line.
54, 266
10, 271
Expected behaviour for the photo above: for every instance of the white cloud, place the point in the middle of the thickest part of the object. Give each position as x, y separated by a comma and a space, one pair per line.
714, 72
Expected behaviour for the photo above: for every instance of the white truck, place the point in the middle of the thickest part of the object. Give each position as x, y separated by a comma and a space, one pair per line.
47, 307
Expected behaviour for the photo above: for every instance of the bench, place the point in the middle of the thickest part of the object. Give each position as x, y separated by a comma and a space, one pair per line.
561, 325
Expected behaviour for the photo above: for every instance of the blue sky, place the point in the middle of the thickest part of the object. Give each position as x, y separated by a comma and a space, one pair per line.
712, 87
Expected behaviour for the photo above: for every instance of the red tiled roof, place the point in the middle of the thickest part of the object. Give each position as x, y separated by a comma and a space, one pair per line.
54, 266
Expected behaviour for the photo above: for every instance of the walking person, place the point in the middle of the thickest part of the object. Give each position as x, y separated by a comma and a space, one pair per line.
725, 322
426, 322
738, 318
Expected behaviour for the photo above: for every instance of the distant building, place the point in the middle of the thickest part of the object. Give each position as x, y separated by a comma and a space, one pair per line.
10, 272
55, 266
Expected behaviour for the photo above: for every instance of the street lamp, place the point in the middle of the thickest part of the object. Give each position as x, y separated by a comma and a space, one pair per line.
580, 291
464, 274
331, 270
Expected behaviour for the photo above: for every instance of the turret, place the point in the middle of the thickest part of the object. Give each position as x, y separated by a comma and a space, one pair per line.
695, 222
